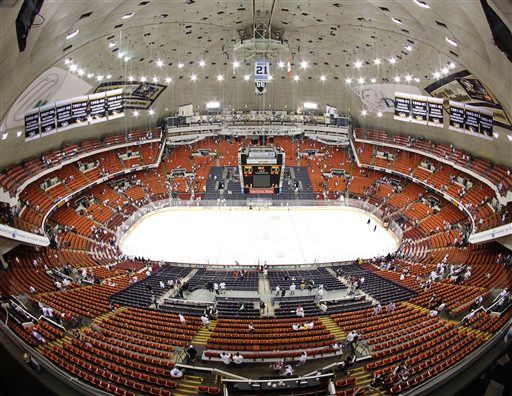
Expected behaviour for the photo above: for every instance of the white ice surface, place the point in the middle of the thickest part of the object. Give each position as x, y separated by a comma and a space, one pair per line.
273, 235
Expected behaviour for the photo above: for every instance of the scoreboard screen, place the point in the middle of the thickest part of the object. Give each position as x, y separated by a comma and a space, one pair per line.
262, 177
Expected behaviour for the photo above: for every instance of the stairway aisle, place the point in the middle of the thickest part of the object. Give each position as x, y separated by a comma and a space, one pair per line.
201, 337
334, 329
187, 385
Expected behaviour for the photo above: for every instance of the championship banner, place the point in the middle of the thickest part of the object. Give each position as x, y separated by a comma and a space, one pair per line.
262, 70
402, 106
97, 109
79, 110
260, 88
114, 104
419, 109
47, 119
32, 125
486, 122
435, 112
63, 113
472, 119
457, 116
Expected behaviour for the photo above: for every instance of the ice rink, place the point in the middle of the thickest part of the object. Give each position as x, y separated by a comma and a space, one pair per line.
269, 235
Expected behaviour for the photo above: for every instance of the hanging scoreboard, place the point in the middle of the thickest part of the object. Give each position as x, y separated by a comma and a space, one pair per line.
261, 169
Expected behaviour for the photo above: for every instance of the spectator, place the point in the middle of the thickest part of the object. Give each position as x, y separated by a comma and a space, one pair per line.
250, 328
277, 366
288, 371
182, 319
191, 353
238, 359
299, 311
225, 357
205, 321
176, 373
302, 359
293, 287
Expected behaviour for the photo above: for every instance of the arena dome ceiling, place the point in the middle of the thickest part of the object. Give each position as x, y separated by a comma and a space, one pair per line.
410, 42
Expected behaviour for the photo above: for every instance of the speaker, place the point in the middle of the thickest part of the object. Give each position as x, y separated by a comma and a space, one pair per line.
25, 19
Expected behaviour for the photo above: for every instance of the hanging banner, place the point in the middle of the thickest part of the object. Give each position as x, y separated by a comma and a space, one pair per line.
486, 122
472, 119
435, 112
32, 125
402, 106
97, 110
457, 116
79, 110
63, 113
114, 104
262, 70
419, 109
260, 88
47, 119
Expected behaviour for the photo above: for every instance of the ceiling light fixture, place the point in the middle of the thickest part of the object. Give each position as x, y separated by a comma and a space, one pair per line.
236, 64
120, 55
377, 61
155, 79
397, 21
397, 79
373, 80
193, 77
304, 64
360, 80
436, 74
131, 78
392, 60
18, 134
129, 15
220, 77
247, 77
322, 78
451, 65
143, 79
408, 47
202, 63
111, 44
379, 114
135, 113
281, 64
348, 81
408, 78
421, 4
444, 70
4, 136
180, 65
296, 77
72, 34
357, 64
109, 76
168, 80
126, 58
100, 78
73, 67
151, 112
416, 79
451, 41
68, 61
364, 112
159, 63
90, 75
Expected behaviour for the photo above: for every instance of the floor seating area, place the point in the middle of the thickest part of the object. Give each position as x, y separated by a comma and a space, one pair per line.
320, 276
